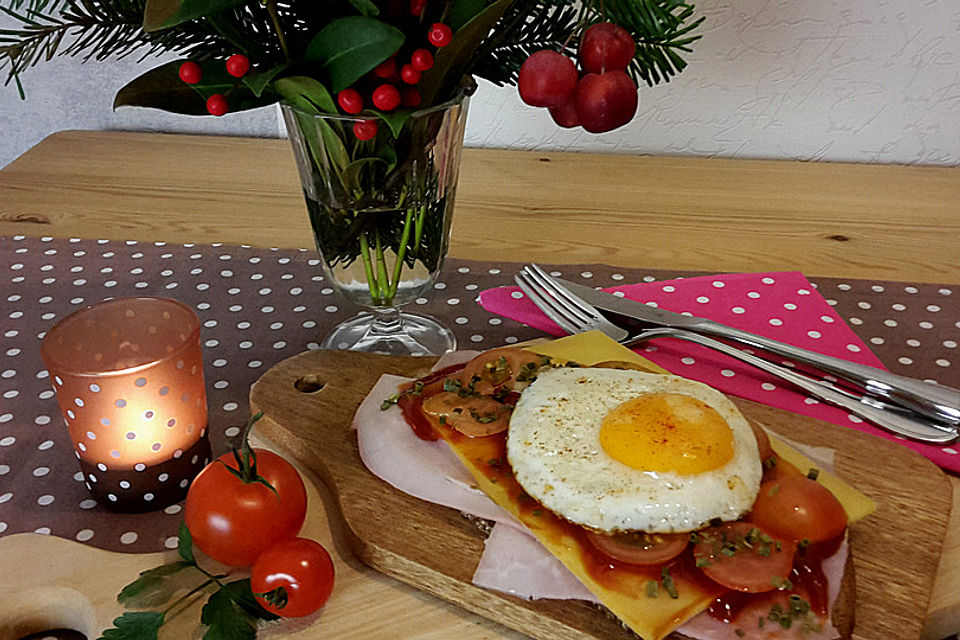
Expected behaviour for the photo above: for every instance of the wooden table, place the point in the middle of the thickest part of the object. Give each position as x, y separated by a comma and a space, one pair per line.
856, 221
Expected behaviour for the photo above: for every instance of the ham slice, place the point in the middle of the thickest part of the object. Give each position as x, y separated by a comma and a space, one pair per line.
513, 561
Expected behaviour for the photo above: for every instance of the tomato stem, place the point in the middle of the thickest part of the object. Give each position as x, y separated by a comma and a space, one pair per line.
246, 459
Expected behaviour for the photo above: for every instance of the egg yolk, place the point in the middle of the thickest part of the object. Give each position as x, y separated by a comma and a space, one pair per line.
667, 432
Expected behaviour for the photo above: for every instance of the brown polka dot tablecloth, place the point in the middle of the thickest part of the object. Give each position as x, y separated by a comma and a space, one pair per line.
260, 306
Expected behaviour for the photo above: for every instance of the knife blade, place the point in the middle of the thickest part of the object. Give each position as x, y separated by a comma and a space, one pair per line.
935, 401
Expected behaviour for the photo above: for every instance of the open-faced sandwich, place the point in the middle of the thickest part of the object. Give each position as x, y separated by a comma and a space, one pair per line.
653, 490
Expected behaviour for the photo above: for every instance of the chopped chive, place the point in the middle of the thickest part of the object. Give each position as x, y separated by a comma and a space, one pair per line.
813, 473
653, 590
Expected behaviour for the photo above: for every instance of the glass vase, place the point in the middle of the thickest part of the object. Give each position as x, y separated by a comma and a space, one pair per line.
381, 210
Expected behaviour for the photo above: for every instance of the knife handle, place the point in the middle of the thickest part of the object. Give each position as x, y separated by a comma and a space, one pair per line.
937, 402
913, 427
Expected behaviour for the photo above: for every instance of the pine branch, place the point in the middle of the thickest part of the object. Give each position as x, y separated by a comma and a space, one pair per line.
660, 28
96, 30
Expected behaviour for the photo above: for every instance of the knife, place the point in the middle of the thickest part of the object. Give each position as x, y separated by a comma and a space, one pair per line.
935, 401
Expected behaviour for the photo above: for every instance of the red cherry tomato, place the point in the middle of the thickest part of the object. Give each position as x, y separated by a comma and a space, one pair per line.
217, 105
386, 97
505, 368
606, 47
233, 521
350, 101
421, 59
302, 569
365, 129
743, 557
641, 548
440, 34
547, 79
797, 508
190, 72
238, 65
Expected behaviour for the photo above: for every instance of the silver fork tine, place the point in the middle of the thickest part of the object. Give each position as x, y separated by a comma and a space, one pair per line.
591, 317
557, 296
545, 305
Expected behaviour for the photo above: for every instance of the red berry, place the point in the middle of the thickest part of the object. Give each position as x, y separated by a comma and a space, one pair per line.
238, 65
440, 34
217, 105
565, 114
421, 60
190, 72
365, 129
386, 68
606, 47
386, 97
409, 74
410, 97
547, 79
417, 7
605, 101
350, 101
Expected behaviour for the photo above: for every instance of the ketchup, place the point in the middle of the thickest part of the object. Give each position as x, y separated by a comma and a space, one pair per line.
411, 403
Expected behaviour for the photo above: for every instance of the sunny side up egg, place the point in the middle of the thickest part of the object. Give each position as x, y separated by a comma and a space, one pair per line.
619, 450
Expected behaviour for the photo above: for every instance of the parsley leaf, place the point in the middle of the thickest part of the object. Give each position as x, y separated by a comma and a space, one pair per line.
135, 625
232, 613
156, 586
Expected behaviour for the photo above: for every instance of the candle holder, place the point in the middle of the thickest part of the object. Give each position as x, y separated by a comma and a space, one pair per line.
128, 374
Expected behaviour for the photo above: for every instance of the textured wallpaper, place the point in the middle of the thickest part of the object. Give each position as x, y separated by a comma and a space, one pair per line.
864, 81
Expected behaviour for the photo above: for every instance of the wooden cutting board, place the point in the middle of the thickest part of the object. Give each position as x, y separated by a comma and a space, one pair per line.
309, 401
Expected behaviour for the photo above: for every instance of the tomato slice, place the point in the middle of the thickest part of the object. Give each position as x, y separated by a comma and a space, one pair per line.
794, 507
472, 415
640, 548
743, 557
763, 443
507, 368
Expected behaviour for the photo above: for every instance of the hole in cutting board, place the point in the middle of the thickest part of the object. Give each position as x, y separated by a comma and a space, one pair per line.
56, 634
309, 384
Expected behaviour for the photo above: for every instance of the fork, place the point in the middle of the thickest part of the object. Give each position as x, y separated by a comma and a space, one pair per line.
574, 315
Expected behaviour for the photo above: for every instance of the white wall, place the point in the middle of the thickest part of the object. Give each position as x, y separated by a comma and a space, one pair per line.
859, 81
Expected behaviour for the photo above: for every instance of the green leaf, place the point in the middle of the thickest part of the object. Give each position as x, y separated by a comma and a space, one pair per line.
259, 81
232, 613
161, 88
155, 586
185, 544
463, 11
135, 625
365, 7
451, 61
350, 47
395, 120
305, 93
311, 97
161, 14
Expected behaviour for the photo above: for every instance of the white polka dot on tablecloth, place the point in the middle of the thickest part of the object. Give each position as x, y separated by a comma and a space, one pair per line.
128, 537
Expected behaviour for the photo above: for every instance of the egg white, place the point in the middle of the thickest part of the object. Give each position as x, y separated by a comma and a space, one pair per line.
553, 445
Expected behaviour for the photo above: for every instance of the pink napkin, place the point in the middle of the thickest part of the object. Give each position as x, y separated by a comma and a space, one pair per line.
779, 305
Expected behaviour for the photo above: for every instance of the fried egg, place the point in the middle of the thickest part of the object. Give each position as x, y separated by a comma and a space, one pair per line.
618, 450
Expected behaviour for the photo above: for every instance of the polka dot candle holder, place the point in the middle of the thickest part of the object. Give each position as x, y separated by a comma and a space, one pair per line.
128, 374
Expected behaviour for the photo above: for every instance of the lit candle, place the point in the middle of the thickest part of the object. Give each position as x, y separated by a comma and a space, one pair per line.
128, 374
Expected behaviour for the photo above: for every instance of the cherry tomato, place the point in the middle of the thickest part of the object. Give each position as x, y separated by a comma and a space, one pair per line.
473, 415
302, 569
795, 507
743, 557
641, 548
233, 521
763, 442
508, 367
